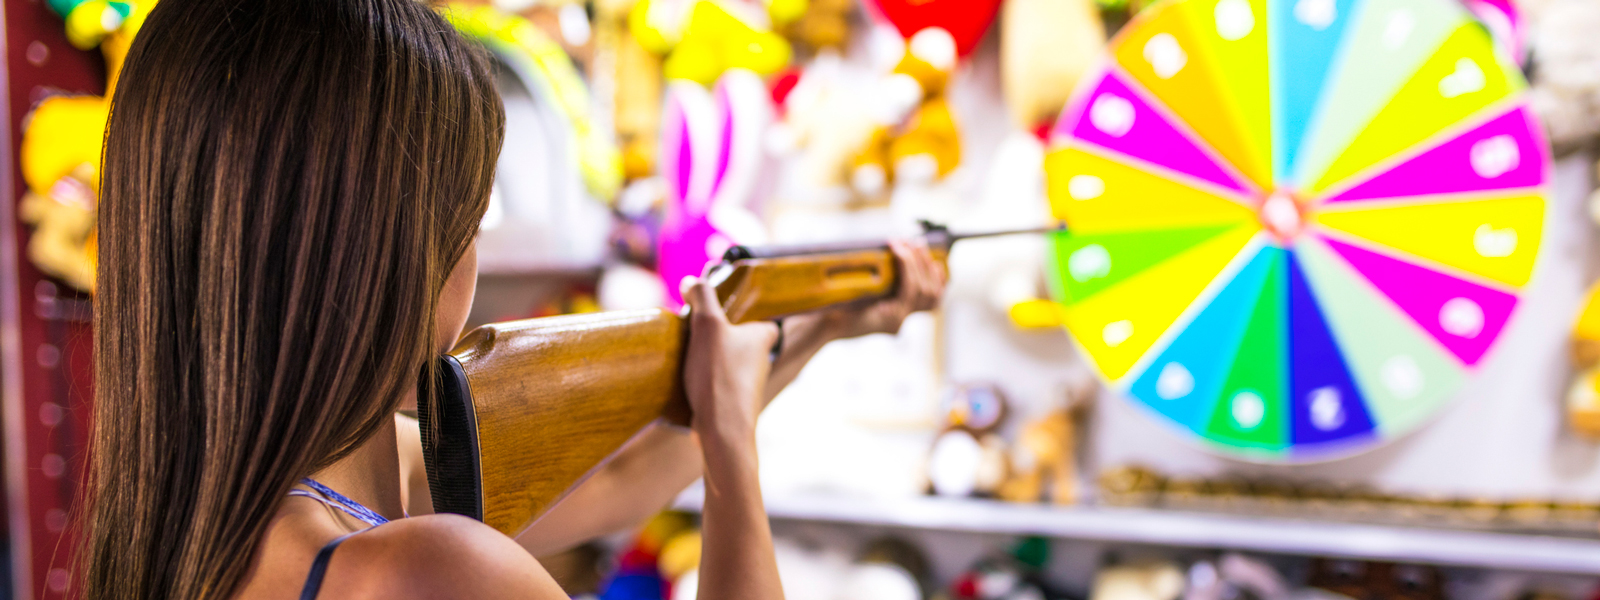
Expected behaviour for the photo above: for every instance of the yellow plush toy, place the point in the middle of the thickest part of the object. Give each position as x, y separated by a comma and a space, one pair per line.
90, 21
824, 24
917, 140
1583, 400
703, 38
60, 153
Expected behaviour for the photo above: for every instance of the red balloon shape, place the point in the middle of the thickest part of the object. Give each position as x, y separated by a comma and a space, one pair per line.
966, 20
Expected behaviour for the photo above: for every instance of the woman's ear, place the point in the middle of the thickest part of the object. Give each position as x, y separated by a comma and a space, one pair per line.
455, 300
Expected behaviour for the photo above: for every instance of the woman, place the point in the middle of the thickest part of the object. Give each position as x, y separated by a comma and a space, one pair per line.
291, 192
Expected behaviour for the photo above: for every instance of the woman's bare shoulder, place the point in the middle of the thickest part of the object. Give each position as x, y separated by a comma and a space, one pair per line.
436, 556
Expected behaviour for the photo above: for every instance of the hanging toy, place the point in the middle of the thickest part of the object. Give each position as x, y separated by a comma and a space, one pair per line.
916, 140
825, 24
1045, 47
711, 160
90, 21
702, 39
61, 146
965, 20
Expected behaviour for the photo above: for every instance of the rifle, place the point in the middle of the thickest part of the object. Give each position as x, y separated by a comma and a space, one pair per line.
526, 410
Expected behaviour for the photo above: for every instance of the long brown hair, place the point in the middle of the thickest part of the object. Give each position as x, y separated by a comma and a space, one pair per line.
287, 184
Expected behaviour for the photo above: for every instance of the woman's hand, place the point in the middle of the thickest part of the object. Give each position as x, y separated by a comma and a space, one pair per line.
726, 370
921, 285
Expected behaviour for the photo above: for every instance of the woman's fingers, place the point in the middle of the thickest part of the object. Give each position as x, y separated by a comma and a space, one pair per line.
701, 299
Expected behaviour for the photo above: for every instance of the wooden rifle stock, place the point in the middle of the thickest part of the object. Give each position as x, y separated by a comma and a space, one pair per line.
524, 411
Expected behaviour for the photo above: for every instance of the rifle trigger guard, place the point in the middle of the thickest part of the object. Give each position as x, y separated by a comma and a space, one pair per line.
777, 345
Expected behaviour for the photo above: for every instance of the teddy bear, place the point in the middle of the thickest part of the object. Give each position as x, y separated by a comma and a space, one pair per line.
968, 457
1043, 458
915, 139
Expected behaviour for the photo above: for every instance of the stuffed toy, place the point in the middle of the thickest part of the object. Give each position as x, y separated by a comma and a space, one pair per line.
634, 74
915, 140
711, 161
1155, 581
60, 151
965, 20
1043, 459
702, 39
968, 457
63, 241
1235, 577
1376, 581
1045, 47
641, 566
1583, 399
825, 24
1013, 575
887, 569
1566, 73
90, 21
826, 123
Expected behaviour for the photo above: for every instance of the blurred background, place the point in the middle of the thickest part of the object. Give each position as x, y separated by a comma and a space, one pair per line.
1321, 326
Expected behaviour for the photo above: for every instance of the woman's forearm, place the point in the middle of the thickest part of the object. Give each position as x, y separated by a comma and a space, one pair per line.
642, 480
737, 560
652, 470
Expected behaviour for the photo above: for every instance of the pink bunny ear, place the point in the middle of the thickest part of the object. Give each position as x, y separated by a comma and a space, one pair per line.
689, 145
711, 158
746, 110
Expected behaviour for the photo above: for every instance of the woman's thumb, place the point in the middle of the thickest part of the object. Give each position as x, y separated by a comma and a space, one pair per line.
699, 297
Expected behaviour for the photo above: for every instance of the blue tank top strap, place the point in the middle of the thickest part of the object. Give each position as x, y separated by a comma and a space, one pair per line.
326, 495
339, 501
319, 567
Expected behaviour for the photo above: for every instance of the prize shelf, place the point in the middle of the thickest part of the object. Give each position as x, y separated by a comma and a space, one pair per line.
1506, 551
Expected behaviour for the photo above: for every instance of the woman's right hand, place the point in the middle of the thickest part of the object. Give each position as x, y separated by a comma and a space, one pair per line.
725, 372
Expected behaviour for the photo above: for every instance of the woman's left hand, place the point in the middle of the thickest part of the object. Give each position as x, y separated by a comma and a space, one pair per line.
921, 285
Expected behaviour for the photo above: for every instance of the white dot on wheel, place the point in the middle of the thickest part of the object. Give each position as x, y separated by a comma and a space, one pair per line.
1327, 412
1175, 382
1112, 115
1402, 376
1115, 333
1461, 317
1086, 187
1248, 409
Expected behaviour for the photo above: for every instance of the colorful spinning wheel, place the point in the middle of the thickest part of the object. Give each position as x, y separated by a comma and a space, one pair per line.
1298, 225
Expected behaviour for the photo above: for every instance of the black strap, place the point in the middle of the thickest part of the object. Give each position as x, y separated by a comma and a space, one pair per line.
319, 567
777, 345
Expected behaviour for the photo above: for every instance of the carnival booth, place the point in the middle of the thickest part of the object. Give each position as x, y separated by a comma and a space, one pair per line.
1302, 305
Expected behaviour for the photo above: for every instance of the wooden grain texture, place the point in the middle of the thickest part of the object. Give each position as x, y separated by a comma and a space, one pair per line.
555, 397
763, 289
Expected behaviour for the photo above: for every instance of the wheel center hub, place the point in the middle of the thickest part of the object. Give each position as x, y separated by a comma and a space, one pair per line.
1282, 215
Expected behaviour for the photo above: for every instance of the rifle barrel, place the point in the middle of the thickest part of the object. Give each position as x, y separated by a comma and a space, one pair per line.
783, 250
